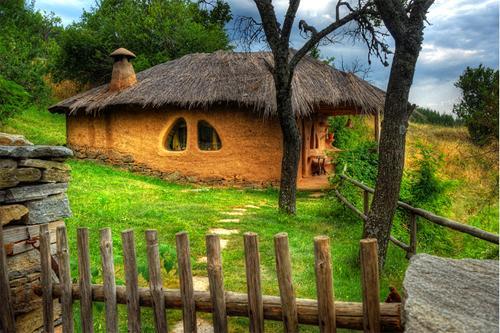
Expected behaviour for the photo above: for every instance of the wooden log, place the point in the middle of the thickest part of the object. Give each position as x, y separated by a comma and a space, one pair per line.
399, 243
284, 273
186, 282
349, 315
131, 282
413, 236
349, 205
7, 321
15, 237
366, 202
108, 275
324, 284
87, 321
46, 279
155, 281
65, 278
370, 283
252, 265
216, 283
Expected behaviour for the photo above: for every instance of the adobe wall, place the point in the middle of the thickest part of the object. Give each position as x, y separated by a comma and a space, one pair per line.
135, 138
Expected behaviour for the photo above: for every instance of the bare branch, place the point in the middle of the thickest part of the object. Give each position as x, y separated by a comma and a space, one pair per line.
248, 32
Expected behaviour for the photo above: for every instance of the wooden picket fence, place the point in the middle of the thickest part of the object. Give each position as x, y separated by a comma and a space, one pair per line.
325, 312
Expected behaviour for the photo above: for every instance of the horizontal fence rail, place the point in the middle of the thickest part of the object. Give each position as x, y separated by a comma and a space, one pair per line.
414, 213
326, 313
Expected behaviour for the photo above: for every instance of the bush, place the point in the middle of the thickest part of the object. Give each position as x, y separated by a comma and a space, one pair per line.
13, 99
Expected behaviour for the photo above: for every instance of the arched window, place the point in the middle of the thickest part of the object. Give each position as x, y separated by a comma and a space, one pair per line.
177, 136
208, 139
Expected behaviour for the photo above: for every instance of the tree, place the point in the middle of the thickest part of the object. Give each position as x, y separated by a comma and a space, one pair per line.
478, 106
27, 45
285, 61
405, 21
158, 30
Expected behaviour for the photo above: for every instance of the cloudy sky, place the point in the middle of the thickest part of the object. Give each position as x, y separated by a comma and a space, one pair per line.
461, 33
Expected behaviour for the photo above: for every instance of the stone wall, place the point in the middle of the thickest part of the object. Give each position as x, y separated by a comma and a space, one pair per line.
33, 184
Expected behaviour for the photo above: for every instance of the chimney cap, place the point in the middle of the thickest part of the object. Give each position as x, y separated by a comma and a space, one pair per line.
122, 52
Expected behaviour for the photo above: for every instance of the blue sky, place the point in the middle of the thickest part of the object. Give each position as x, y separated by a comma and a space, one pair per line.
462, 33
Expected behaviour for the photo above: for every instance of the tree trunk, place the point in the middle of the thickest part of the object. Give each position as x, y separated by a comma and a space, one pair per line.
392, 149
291, 137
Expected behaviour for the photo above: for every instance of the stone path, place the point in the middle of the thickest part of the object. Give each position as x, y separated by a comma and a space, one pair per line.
203, 326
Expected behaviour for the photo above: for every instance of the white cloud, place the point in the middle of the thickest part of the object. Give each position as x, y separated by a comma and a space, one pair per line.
446, 9
435, 94
432, 54
64, 3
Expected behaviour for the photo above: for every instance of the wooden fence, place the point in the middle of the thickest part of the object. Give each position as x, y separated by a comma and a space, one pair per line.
325, 312
411, 249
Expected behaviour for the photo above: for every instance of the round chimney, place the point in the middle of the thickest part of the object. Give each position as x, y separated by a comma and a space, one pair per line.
123, 75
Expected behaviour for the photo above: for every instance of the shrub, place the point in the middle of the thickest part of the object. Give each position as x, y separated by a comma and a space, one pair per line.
13, 99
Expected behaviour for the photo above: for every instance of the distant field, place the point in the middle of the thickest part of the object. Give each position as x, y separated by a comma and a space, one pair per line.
103, 196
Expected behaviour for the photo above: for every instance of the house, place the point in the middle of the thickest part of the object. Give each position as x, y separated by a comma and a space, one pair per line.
212, 117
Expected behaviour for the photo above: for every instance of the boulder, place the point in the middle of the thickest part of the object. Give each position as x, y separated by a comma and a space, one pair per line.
450, 295
35, 151
7, 139
11, 213
32, 192
52, 208
43, 164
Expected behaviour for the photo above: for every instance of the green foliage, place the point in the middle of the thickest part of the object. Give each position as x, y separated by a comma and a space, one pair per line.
157, 30
429, 116
27, 46
13, 99
168, 255
479, 104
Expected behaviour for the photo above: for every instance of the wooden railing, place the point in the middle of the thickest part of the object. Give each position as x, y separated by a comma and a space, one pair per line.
370, 315
413, 212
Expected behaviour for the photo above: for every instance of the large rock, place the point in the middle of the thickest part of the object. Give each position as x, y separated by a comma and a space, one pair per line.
28, 174
7, 139
450, 295
32, 192
35, 151
49, 209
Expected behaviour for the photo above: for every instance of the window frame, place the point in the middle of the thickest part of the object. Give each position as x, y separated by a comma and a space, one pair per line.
167, 134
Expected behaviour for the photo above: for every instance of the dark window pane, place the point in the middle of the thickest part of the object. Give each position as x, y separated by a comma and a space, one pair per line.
208, 139
177, 137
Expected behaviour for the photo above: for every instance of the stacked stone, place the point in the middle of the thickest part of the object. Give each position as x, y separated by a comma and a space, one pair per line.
33, 184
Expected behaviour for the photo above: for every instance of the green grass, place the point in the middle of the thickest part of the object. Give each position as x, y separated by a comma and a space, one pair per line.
102, 196
38, 126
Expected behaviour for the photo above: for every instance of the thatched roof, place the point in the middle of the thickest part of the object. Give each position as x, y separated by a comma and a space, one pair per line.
201, 80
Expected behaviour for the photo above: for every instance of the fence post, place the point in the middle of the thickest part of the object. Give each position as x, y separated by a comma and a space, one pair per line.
84, 280
46, 279
366, 202
131, 282
371, 288
216, 283
6, 312
252, 265
324, 284
284, 272
65, 277
109, 284
413, 236
186, 283
155, 281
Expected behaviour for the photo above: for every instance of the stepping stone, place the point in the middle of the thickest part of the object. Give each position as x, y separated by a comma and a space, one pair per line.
195, 190
234, 213
239, 210
316, 195
200, 283
252, 206
223, 243
221, 231
203, 326
202, 260
229, 220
